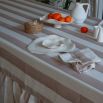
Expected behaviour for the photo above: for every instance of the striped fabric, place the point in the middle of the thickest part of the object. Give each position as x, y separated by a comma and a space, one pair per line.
13, 92
48, 78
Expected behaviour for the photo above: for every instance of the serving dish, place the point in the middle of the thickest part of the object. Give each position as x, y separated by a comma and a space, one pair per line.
54, 21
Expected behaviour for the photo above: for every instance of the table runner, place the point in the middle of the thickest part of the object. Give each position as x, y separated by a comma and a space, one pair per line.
13, 15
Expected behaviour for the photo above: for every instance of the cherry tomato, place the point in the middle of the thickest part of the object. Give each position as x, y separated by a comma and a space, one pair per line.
50, 16
84, 29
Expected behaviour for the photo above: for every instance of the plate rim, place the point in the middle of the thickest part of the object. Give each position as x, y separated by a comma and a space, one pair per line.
38, 40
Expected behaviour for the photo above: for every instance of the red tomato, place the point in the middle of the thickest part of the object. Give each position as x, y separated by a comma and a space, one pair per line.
56, 16
84, 29
50, 16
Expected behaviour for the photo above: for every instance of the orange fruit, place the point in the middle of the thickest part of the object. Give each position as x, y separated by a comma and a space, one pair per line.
68, 19
50, 16
61, 19
56, 16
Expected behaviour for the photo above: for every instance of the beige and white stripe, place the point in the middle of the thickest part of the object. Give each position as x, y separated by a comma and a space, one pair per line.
12, 91
35, 72
14, 42
37, 86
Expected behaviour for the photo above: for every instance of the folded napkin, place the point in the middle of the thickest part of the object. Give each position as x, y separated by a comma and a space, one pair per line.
82, 60
53, 41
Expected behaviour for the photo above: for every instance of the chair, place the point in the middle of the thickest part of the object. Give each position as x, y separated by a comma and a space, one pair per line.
12, 92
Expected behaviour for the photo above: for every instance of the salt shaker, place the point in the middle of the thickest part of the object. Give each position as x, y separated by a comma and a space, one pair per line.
100, 34
96, 31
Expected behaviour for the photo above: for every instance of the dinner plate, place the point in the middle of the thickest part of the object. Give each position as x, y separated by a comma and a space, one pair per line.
37, 47
53, 21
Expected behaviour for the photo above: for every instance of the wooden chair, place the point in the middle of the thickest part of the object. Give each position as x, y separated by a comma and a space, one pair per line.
12, 92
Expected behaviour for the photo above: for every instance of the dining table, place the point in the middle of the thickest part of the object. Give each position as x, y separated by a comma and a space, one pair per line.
45, 76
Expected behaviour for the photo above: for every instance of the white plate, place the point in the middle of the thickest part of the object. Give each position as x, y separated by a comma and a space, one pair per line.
53, 21
37, 47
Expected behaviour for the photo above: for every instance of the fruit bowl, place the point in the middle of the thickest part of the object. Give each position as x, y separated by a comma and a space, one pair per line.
58, 18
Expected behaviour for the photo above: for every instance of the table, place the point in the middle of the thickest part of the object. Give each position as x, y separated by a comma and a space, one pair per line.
43, 75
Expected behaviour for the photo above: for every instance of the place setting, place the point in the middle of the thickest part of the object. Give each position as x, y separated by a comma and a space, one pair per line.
51, 44
65, 50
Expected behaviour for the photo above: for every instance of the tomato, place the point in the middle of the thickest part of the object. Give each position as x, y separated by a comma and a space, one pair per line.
84, 29
61, 19
56, 16
50, 16
68, 19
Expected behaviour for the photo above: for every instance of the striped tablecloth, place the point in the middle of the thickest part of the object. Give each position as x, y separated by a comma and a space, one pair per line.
55, 81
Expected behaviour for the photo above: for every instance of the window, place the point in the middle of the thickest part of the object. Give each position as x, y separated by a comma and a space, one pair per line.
96, 8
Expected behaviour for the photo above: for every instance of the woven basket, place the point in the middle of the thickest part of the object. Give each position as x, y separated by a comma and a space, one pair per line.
33, 27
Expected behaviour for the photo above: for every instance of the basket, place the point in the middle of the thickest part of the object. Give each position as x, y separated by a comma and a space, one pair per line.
33, 27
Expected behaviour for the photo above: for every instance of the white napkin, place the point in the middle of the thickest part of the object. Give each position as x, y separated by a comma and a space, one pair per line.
53, 41
82, 60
